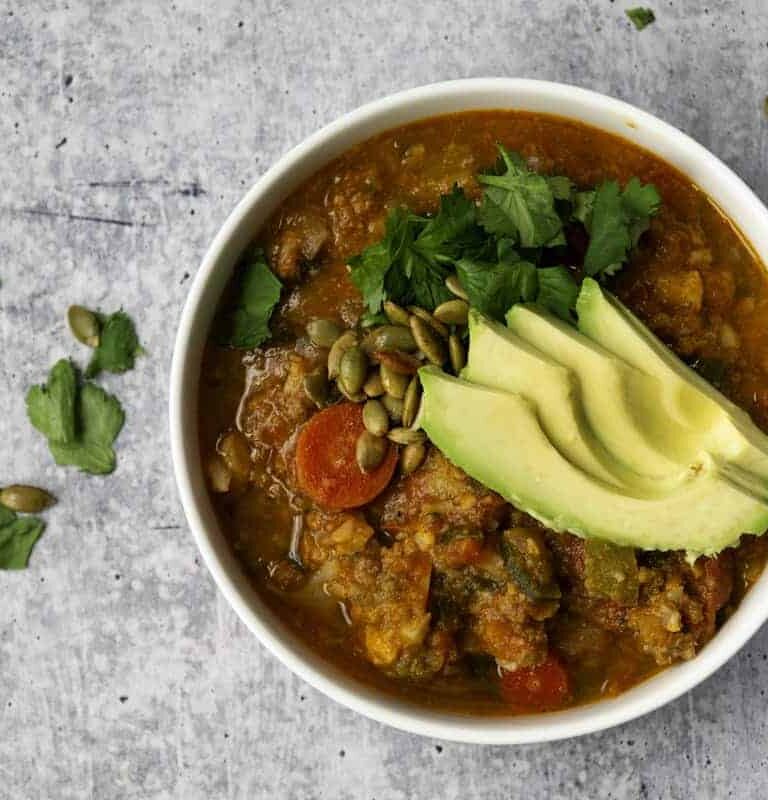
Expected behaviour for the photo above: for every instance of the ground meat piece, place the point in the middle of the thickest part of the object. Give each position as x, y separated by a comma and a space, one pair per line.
355, 209
719, 290
299, 241
681, 290
328, 535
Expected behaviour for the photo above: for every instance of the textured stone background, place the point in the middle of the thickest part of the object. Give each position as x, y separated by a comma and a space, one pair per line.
127, 132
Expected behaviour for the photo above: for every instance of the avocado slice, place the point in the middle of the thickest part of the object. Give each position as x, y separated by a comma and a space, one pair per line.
502, 360
727, 431
495, 437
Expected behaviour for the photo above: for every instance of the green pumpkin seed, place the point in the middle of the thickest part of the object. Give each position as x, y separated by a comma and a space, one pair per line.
457, 352
354, 397
25, 499
373, 387
453, 286
316, 387
375, 418
406, 436
411, 402
84, 325
353, 369
428, 341
452, 312
323, 332
395, 314
412, 457
344, 342
394, 407
394, 383
370, 451
389, 338
433, 323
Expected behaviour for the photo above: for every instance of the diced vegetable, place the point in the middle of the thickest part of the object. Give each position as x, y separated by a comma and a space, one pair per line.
610, 571
529, 562
545, 687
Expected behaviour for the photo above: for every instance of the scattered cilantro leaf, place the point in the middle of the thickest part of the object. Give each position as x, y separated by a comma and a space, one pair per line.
520, 204
17, 538
616, 222
452, 230
51, 406
246, 323
583, 203
118, 345
557, 291
640, 17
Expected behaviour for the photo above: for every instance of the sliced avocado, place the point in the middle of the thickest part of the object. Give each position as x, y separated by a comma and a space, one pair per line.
727, 431
621, 403
495, 437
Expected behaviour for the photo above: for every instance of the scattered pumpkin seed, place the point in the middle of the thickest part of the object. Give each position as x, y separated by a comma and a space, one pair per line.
389, 338
433, 323
452, 312
394, 407
323, 332
353, 369
428, 341
412, 457
373, 387
406, 436
370, 451
395, 383
457, 352
395, 314
316, 387
84, 325
404, 363
375, 418
354, 397
344, 342
25, 499
411, 401
453, 286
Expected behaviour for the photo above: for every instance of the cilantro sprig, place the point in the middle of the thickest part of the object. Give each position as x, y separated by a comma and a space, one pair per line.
17, 538
118, 345
640, 17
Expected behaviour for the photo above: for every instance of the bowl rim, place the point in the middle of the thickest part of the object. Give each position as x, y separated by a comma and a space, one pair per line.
598, 110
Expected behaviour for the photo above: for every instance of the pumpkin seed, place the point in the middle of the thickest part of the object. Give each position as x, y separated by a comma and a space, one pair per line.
355, 397
316, 387
353, 369
430, 320
395, 383
411, 402
453, 286
457, 352
344, 342
323, 332
412, 457
395, 314
389, 338
25, 499
404, 363
370, 451
84, 325
406, 436
452, 312
375, 418
373, 387
428, 341
394, 407
219, 476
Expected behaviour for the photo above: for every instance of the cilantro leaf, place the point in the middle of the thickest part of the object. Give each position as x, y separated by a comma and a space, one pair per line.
100, 418
17, 538
640, 17
246, 322
520, 204
557, 291
453, 229
616, 222
51, 407
118, 345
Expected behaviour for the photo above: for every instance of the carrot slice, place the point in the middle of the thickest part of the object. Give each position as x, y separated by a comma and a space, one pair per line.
326, 466
544, 687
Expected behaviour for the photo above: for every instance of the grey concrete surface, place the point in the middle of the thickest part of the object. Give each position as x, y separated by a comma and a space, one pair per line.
128, 131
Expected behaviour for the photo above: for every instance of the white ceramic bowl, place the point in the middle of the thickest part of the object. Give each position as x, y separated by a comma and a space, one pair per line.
704, 169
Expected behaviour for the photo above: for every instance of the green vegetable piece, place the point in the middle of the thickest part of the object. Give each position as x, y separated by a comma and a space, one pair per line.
17, 538
610, 571
557, 291
51, 406
100, 418
640, 17
520, 204
529, 562
118, 345
246, 323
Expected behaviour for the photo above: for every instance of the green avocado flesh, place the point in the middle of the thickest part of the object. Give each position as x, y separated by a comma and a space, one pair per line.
600, 431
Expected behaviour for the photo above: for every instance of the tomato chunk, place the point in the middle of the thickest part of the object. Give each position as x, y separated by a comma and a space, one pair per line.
326, 466
545, 687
